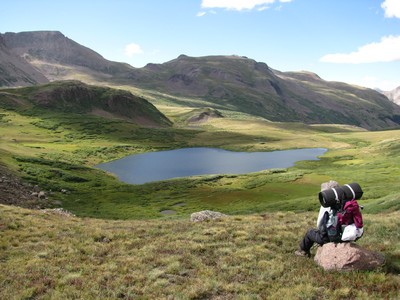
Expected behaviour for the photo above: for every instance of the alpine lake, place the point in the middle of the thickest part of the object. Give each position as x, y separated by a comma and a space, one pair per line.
163, 165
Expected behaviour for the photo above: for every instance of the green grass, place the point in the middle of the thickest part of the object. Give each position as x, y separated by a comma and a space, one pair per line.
57, 151
49, 256
144, 254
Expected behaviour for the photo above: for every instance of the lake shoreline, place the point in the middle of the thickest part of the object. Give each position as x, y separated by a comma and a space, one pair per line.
197, 161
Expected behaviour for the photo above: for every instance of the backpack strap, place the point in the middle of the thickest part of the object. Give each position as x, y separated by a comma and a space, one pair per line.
336, 196
352, 191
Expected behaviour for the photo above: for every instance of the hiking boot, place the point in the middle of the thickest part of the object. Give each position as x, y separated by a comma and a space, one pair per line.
302, 253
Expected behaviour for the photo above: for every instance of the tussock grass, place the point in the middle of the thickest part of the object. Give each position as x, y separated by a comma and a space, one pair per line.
45, 255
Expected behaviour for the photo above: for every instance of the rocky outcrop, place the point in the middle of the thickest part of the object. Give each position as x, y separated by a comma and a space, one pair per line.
206, 215
201, 115
14, 191
347, 257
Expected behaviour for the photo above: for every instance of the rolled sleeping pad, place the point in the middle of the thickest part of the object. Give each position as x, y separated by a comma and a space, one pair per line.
352, 191
331, 197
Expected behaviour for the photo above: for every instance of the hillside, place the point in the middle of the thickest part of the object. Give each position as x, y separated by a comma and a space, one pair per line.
241, 84
77, 97
232, 83
46, 254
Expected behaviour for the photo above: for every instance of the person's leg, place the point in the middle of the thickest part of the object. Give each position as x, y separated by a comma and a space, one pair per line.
312, 236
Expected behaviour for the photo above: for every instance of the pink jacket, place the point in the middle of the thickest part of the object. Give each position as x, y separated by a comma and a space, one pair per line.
351, 214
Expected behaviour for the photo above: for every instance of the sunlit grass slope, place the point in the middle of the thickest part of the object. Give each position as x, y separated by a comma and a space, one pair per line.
49, 256
57, 151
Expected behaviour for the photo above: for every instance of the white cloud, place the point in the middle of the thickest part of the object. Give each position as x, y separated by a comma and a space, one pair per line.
238, 4
388, 49
132, 49
261, 8
200, 14
391, 8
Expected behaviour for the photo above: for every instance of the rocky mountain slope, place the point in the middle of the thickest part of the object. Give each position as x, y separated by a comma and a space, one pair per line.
221, 82
53, 54
16, 71
394, 95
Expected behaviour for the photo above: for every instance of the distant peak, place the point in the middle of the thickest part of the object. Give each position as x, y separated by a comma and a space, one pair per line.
37, 32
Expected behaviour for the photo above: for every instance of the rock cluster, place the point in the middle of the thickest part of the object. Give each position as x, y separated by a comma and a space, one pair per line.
347, 257
206, 215
59, 211
13, 191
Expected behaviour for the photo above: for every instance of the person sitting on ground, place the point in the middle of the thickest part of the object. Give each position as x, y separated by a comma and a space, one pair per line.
349, 214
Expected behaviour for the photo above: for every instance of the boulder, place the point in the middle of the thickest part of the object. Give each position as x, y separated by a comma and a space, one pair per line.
347, 257
205, 215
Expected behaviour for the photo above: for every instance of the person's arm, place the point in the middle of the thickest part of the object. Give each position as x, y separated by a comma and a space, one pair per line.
320, 220
355, 212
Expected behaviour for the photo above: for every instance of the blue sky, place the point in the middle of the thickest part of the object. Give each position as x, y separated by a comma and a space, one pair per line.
354, 41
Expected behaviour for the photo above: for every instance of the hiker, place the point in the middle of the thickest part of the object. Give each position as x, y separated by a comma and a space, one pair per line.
331, 219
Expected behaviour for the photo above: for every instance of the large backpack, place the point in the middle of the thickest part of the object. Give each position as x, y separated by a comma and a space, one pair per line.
332, 227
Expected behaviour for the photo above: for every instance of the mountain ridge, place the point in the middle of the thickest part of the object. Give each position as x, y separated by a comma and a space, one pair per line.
234, 83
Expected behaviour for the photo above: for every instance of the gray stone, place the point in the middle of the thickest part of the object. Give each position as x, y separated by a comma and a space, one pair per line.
206, 215
347, 257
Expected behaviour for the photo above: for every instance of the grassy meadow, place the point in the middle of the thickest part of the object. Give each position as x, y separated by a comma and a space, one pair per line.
45, 255
58, 151
121, 246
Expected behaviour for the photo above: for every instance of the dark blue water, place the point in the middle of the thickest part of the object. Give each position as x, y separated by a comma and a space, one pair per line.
155, 166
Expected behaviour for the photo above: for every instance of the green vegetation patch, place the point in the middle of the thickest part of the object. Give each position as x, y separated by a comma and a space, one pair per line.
57, 151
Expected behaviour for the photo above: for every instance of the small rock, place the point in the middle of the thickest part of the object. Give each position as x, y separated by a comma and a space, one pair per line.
59, 211
42, 195
206, 215
168, 212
